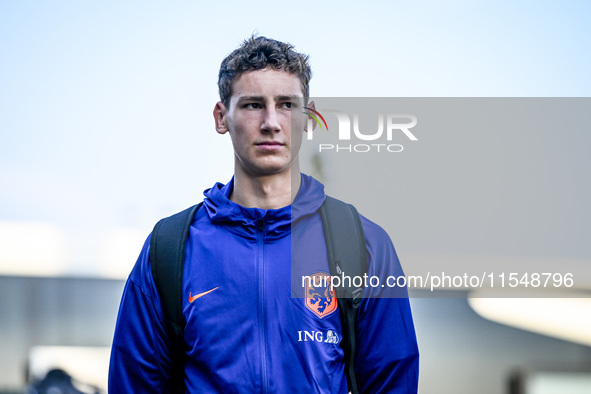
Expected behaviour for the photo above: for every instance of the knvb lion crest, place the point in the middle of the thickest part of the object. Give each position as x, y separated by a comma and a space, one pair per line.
320, 299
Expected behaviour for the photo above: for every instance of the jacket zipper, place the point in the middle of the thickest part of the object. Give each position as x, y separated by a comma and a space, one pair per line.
262, 320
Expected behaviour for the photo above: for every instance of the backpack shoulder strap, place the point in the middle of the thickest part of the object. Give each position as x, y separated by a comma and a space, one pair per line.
167, 257
347, 255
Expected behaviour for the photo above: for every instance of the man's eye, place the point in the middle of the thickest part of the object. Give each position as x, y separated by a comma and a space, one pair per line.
287, 105
252, 106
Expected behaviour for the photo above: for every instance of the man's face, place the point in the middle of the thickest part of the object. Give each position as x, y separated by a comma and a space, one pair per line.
264, 106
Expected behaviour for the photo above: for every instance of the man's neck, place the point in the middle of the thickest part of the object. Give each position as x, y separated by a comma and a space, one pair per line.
265, 191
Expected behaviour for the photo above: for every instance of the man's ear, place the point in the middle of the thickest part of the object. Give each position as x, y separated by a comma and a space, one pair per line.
219, 114
311, 106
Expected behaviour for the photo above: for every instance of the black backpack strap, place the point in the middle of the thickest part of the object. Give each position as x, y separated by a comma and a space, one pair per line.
167, 257
347, 255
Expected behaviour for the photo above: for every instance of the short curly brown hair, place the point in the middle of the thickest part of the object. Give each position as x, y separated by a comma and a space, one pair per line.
257, 53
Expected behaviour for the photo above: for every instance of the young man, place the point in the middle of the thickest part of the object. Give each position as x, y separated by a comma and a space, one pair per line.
244, 332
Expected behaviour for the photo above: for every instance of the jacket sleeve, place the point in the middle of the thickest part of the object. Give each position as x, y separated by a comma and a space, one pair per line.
387, 355
140, 351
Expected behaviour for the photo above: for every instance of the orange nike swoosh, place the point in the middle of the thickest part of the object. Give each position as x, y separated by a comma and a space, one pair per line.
193, 298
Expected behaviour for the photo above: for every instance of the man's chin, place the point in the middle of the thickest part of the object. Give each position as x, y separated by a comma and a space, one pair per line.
270, 170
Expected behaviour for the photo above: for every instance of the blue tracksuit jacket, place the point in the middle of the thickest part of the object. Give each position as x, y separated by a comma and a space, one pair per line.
248, 327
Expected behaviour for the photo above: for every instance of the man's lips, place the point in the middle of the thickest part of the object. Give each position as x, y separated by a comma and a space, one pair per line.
269, 145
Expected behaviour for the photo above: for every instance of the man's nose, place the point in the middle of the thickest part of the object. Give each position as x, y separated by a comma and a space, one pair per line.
271, 121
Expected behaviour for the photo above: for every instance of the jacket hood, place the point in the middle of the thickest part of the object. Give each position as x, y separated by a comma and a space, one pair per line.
244, 221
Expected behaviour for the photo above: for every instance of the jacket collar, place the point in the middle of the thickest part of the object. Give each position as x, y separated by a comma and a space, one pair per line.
244, 221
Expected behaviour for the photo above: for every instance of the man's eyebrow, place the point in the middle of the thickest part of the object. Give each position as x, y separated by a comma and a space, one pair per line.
277, 98
250, 98
288, 97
